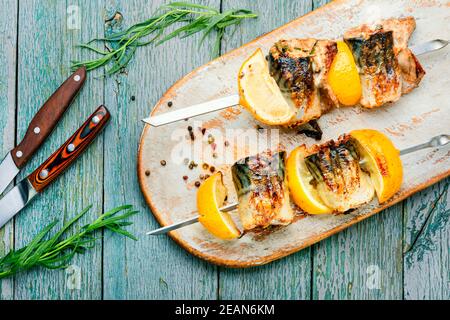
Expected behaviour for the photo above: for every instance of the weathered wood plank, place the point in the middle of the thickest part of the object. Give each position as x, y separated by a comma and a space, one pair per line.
8, 58
46, 47
362, 262
152, 268
288, 278
319, 3
427, 242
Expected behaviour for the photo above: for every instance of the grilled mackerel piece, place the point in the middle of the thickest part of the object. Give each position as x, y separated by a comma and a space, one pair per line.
338, 177
262, 190
387, 67
300, 67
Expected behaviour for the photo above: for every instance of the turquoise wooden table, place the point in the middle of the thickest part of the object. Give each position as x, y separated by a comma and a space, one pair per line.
401, 253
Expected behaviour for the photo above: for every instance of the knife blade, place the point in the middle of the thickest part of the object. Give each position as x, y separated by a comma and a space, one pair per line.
233, 100
40, 127
22, 194
435, 142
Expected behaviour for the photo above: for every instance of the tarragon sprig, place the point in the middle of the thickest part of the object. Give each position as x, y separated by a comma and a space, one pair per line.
57, 251
192, 18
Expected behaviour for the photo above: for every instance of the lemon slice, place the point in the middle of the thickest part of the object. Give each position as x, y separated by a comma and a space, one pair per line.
303, 193
343, 76
210, 197
382, 160
259, 93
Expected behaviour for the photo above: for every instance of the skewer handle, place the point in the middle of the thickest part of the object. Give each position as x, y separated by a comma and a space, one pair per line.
435, 142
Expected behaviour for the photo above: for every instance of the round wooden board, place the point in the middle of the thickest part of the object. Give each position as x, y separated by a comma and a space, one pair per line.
414, 119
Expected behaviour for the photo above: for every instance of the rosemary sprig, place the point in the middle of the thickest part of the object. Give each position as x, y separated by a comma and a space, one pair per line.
193, 18
57, 252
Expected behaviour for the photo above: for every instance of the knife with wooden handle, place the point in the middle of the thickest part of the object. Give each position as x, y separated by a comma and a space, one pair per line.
16, 199
40, 127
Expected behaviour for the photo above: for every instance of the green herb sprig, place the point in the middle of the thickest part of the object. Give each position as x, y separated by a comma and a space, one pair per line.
57, 251
193, 18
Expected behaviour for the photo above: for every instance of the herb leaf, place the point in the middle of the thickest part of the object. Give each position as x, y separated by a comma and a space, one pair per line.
57, 252
193, 18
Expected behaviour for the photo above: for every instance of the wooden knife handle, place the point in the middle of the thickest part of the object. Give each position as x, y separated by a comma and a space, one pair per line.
47, 117
43, 176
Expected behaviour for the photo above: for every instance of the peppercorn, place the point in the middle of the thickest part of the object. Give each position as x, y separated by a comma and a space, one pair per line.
212, 169
226, 143
197, 184
133, 98
205, 166
185, 178
194, 165
163, 163
170, 104
147, 173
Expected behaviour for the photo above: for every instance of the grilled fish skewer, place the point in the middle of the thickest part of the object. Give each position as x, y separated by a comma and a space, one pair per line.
435, 142
233, 100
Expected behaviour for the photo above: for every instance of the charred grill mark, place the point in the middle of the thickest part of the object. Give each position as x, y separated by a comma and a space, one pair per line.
293, 75
337, 165
263, 176
378, 64
375, 54
292, 68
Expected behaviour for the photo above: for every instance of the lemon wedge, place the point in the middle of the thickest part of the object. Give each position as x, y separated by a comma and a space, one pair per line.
210, 197
303, 193
382, 160
343, 76
259, 93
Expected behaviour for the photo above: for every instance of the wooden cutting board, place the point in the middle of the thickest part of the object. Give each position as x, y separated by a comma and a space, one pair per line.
417, 117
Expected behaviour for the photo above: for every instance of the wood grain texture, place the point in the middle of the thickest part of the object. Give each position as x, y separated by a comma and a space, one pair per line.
8, 59
364, 262
153, 267
340, 267
47, 117
171, 201
288, 278
427, 241
70, 151
46, 47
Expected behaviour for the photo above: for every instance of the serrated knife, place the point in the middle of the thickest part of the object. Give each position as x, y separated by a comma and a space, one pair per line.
233, 100
40, 127
16, 199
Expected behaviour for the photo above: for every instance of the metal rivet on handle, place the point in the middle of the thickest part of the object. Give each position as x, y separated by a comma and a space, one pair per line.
43, 174
71, 147
77, 78
37, 130
19, 154
95, 120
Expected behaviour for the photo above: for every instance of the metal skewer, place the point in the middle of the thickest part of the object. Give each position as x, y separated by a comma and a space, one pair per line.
233, 100
435, 142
